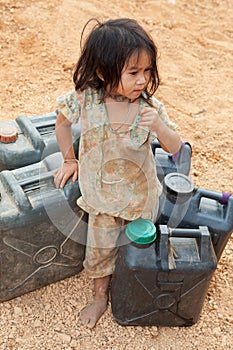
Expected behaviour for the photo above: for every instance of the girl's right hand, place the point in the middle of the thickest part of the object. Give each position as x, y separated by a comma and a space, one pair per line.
62, 174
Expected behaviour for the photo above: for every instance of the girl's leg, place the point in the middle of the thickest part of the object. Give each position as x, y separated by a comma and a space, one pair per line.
99, 263
91, 313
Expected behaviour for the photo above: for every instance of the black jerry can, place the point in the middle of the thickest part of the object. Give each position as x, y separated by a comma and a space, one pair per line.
165, 283
42, 231
167, 163
36, 139
182, 205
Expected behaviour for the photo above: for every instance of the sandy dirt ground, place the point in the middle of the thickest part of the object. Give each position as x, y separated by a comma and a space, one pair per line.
39, 45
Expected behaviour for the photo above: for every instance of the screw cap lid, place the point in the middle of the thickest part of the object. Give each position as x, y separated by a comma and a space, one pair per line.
141, 231
8, 133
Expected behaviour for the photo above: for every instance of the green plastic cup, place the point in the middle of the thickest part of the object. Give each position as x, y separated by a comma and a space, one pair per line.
141, 231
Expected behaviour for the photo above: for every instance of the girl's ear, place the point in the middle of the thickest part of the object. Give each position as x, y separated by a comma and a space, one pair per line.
99, 75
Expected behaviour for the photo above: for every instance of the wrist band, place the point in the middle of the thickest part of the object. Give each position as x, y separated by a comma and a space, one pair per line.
71, 160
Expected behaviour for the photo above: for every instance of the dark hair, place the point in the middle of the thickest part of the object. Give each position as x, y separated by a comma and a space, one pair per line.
107, 49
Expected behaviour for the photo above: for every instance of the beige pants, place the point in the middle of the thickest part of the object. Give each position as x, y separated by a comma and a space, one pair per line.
101, 250
103, 243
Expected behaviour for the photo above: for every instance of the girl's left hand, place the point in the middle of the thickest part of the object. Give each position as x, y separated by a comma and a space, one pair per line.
150, 118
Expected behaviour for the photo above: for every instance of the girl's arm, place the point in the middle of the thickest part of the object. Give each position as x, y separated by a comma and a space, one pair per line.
168, 138
64, 138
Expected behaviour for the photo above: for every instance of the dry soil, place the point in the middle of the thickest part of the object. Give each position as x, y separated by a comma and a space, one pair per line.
39, 45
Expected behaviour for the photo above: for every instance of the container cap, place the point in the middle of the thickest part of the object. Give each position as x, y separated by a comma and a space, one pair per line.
8, 133
141, 231
179, 184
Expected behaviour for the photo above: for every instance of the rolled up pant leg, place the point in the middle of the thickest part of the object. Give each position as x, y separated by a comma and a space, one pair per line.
101, 250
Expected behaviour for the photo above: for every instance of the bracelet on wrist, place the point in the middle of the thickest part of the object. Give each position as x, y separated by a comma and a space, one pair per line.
71, 160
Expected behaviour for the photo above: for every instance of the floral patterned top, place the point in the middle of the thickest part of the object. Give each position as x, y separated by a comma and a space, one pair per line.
117, 171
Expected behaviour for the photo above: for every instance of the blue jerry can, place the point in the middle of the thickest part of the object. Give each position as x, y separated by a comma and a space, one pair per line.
163, 283
42, 230
182, 205
167, 163
34, 141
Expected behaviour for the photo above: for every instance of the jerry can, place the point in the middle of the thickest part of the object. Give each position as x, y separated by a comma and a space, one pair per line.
182, 205
42, 231
167, 163
163, 283
28, 140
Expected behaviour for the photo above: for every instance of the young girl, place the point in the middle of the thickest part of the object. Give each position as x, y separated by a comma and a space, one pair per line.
115, 78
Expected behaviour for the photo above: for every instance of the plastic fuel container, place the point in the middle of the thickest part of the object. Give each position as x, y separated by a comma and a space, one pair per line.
167, 163
28, 140
182, 205
163, 283
42, 230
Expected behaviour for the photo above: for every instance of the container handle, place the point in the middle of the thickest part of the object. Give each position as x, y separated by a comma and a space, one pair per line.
31, 132
201, 234
225, 197
14, 190
175, 156
155, 144
43, 177
221, 197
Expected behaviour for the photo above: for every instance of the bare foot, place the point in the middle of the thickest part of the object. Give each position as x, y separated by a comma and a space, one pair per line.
91, 313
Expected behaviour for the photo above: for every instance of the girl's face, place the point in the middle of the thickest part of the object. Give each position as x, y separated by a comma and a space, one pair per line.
135, 76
